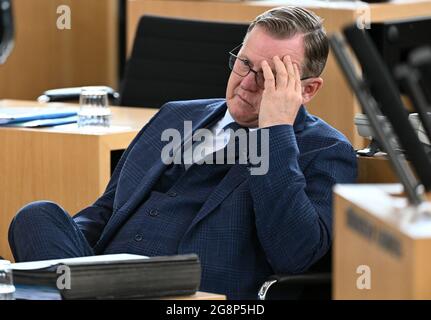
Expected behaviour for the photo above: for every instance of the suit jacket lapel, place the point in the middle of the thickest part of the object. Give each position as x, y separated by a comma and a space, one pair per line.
147, 179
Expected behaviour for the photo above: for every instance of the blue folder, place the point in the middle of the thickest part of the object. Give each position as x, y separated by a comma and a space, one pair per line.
37, 117
43, 123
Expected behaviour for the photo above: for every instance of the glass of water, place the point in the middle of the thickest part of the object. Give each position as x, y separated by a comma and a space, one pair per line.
7, 289
94, 108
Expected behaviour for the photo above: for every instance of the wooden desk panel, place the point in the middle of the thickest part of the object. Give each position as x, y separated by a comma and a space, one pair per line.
375, 170
376, 237
64, 164
335, 103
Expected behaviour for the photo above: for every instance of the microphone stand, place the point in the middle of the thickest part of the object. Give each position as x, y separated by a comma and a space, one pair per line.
383, 132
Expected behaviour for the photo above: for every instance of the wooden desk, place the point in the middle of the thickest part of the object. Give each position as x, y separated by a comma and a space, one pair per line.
335, 102
378, 252
63, 164
375, 170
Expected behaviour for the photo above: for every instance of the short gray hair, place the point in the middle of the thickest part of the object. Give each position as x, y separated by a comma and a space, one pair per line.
286, 22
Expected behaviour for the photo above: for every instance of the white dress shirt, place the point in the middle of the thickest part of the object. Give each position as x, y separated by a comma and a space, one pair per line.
220, 140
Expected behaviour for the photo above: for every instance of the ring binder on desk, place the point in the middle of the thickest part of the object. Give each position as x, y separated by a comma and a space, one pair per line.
117, 276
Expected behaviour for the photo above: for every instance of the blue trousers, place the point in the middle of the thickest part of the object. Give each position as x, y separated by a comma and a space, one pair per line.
43, 230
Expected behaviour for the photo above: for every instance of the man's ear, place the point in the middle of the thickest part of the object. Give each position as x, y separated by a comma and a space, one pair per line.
310, 88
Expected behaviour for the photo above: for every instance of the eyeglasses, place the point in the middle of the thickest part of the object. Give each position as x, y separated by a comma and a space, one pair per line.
243, 68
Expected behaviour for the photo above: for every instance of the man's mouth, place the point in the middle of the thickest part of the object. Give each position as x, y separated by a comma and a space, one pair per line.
243, 100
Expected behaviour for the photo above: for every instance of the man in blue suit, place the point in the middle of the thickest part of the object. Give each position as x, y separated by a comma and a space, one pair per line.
243, 226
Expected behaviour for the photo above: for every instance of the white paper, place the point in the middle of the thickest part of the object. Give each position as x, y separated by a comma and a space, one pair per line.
34, 265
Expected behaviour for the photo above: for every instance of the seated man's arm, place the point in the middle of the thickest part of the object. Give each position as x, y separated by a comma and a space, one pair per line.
92, 220
293, 208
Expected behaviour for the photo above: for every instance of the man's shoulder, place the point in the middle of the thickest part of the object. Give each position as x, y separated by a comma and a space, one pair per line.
324, 143
190, 107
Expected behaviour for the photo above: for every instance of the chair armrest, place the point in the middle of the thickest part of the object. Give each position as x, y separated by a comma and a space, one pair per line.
305, 280
73, 93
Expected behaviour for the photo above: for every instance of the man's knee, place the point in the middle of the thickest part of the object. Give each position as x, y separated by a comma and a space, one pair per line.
36, 213
37, 230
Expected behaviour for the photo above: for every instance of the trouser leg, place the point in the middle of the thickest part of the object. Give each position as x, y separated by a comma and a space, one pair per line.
43, 230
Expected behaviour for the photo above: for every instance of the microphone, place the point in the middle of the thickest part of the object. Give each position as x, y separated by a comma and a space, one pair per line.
387, 95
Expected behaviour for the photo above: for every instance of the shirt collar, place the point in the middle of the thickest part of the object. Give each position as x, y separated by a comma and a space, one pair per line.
227, 119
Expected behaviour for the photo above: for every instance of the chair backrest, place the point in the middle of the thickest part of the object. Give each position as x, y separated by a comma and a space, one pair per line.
178, 59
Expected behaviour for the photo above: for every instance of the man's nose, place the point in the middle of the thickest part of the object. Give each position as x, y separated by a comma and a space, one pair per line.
249, 82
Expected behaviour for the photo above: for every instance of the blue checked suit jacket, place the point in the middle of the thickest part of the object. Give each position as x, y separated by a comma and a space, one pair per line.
251, 226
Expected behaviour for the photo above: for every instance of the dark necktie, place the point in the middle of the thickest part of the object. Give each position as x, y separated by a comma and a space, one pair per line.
236, 148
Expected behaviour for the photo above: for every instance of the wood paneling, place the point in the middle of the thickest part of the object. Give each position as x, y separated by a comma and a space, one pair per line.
45, 57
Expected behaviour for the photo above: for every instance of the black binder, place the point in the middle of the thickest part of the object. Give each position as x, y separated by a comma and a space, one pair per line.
111, 276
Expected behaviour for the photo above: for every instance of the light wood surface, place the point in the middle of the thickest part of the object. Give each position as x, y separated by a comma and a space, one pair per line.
335, 102
45, 57
64, 164
373, 229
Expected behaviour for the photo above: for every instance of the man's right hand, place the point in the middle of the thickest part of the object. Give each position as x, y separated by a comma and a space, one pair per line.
282, 96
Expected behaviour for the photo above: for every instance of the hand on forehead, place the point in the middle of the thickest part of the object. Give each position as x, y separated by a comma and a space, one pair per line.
259, 46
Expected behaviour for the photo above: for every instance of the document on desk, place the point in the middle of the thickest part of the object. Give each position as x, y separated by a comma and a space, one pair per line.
24, 114
34, 265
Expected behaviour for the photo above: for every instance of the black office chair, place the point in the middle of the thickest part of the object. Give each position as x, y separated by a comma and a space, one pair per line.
173, 59
312, 285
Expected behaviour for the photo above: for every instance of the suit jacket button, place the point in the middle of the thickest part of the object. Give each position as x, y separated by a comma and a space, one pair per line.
138, 237
154, 212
